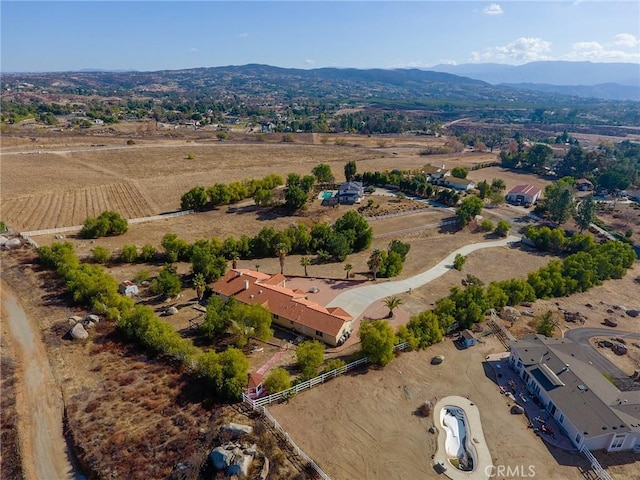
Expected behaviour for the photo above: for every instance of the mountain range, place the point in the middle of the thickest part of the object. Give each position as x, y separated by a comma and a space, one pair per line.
613, 81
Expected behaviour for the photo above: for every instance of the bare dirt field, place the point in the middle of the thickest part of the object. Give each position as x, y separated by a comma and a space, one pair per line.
365, 425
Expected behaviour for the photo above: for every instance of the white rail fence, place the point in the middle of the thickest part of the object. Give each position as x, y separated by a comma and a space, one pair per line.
75, 228
259, 405
595, 464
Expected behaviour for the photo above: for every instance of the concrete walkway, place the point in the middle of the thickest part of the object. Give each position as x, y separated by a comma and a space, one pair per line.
483, 463
356, 300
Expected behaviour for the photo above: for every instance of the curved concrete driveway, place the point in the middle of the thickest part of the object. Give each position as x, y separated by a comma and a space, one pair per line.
356, 300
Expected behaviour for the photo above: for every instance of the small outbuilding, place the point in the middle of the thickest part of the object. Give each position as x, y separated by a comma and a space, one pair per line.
524, 194
255, 386
128, 288
468, 339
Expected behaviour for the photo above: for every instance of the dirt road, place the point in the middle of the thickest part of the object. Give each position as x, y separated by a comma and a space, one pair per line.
38, 399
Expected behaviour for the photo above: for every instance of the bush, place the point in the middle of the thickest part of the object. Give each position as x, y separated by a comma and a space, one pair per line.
310, 355
486, 225
459, 261
544, 325
107, 223
502, 228
167, 283
377, 340
334, 364
101, 255
129, 253
277, 381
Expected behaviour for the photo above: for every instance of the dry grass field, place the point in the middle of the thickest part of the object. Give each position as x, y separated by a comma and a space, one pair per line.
59, 180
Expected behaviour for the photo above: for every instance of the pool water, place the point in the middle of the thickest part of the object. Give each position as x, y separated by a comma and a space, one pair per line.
326, 195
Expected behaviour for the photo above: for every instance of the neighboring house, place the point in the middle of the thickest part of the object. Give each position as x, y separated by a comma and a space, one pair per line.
98, 121
468, 339
128, 288
435, 175
590, 409
350, 193
584, 185
459, 183
255, 388
524, 194
290, 309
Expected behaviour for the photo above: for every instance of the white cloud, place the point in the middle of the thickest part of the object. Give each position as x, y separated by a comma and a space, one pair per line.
243, 35
448, 61
193, 49
409, 64
626, 40
523, 49
493, 9
597, 52
309, 61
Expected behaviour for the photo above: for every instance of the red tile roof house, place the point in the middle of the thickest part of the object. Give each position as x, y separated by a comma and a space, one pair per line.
290, 308
524, 194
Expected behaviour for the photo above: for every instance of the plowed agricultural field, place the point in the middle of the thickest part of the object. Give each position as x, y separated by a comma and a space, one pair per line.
61, 184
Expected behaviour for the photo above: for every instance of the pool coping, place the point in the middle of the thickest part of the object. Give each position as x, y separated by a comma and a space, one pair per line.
483, 468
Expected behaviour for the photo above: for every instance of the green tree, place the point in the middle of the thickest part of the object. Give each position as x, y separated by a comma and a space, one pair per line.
263, 197
486, 225
129, 253
195, 199
277, 381
559, 201
375, 262
333, 364
215, 320
281, 252
107, 223
249, 321
459, 261
101, 255
350, 170
199, 284
377, 340
305, 262
347, 268
468, 209
357, 230
585, 212
310, 356
502, 228
148, 253
295, 197
167, 283
425, 329
545, 324
392, 303
459, 172
322, 173
538, 157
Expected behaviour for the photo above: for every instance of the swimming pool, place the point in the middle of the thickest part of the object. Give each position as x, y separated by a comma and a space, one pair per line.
326, 194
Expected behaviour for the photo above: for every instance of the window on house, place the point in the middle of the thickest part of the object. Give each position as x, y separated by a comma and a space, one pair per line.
618, 441
318, 333
561, 419
578, 438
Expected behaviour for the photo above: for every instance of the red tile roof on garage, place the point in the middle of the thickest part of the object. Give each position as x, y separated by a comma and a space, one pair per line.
252, 287
527, 189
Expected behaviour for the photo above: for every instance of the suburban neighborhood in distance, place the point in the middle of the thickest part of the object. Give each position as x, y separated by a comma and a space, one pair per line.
219, 260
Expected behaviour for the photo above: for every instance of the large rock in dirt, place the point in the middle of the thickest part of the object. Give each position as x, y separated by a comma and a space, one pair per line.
79, 333
13, 243
240, 466
92, 318
237, 430
3, 240
633, 313
510, 314
171, 311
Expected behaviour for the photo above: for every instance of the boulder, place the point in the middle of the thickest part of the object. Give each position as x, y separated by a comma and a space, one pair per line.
92, 318
237, 430
517, 410
79, 333
13, 243
171, 311
510, 314
3, 240
240, 466
437, 360
633, 313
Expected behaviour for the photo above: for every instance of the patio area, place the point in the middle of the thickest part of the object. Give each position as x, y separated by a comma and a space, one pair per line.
540, 421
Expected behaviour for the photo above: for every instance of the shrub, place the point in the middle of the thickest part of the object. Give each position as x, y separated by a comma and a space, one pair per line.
101, 255
459, 261
486, 225
334, 364
377, 339
277, 381
310, 355
107, 223
502, 228
129, 253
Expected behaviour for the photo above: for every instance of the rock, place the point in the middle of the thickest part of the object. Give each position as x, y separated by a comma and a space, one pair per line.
509, 313
171, 311
3, 240
59, 237
88, 324
240, 466
236, 430
633, 313
516, 410
264, 473
92, 318
437, 360
13, 243
79, 333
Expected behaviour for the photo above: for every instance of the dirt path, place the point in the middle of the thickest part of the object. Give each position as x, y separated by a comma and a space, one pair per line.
38, 400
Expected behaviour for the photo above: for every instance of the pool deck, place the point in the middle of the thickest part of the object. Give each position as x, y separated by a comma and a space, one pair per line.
482, 470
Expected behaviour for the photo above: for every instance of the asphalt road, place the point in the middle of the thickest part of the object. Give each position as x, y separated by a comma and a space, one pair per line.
582, 336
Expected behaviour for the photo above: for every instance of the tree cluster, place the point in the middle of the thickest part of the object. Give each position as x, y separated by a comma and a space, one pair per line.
200, 198
387, 264
107, 223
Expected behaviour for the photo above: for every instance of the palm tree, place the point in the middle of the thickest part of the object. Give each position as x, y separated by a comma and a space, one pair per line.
257, 267
234, 260
199, 284
375, 261
347, 268
392, 303
281, 251
305, 262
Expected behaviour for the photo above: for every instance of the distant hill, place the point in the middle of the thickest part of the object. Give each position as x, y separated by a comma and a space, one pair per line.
607, 91
553, 73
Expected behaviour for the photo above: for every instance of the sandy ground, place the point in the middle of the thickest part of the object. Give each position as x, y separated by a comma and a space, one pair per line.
365, 425
38, 400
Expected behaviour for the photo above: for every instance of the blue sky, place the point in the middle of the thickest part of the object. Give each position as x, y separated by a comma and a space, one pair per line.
156, 35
